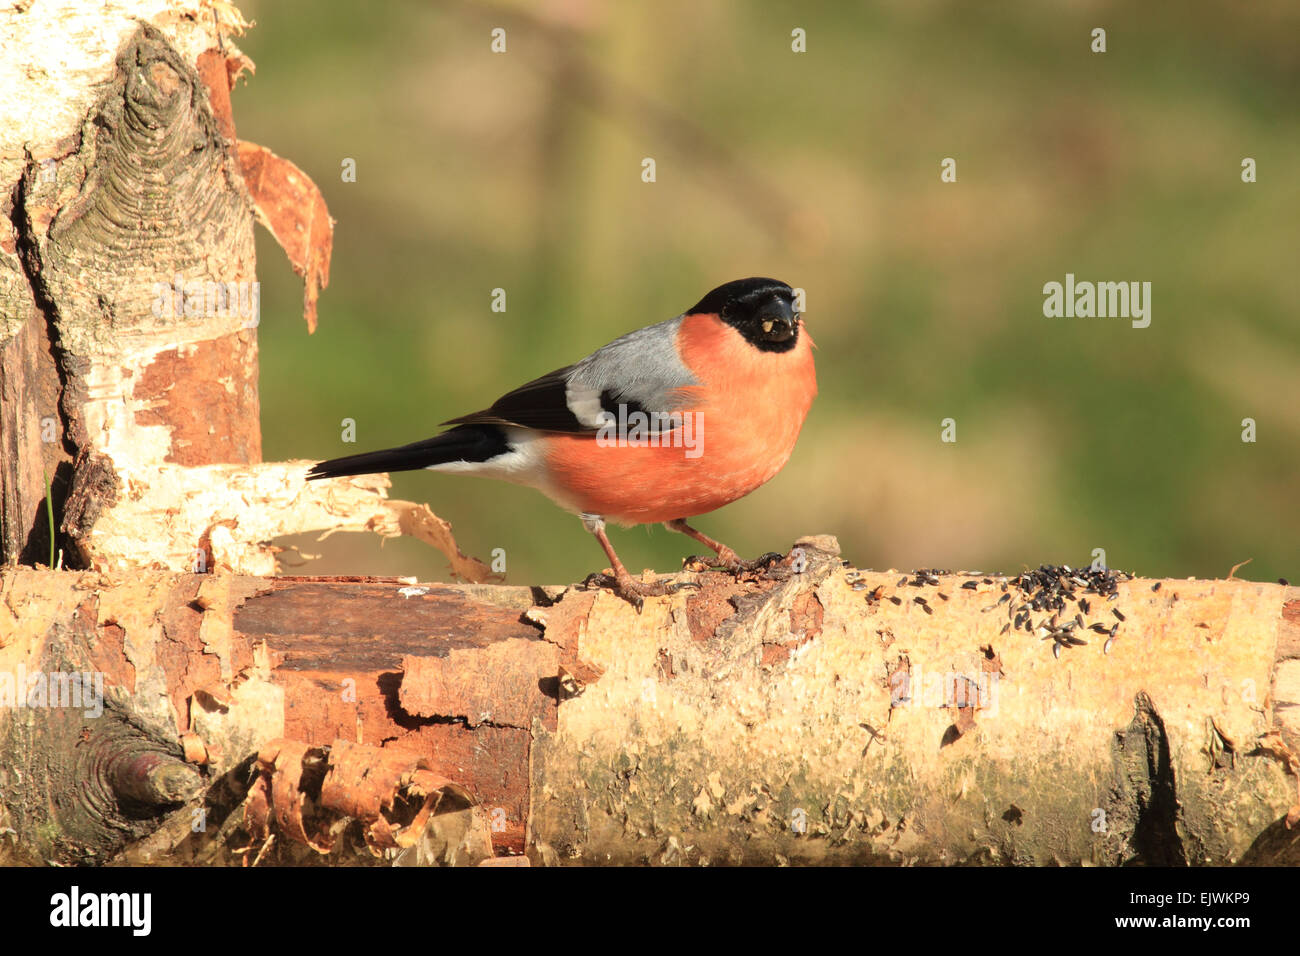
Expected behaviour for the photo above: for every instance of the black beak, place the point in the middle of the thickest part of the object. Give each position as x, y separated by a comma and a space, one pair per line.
777, 321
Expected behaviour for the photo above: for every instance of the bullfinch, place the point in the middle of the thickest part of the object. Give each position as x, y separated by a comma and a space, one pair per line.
671, 421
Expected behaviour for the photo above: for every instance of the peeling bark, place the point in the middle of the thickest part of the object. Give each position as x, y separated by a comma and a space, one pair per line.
129, 310
122, 186
581, 731
856, 744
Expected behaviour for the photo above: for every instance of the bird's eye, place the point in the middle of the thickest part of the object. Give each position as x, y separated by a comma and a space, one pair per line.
767, 326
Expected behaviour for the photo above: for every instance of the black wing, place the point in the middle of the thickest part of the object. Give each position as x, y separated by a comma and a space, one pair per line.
541, 404
637, 372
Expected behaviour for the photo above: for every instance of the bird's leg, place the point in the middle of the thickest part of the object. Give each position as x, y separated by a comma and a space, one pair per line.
728, 558
625, 586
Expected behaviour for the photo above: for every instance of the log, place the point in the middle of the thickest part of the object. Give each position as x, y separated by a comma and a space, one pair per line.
129, 382
794, 715
113, 347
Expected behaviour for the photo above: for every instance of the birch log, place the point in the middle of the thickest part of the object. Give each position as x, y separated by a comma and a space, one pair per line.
129, 302
796, 715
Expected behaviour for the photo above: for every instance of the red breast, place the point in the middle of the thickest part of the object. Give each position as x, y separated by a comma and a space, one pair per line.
745, 416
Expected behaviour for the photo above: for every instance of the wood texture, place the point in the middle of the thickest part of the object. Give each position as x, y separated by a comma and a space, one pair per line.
756, 720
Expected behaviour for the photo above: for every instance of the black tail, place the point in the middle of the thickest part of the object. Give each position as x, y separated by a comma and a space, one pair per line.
463, 443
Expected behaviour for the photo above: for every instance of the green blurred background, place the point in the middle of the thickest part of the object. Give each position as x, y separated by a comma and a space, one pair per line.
522, 170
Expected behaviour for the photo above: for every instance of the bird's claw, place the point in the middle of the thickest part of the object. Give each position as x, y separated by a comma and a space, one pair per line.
635, 592
736, 565
731, 562
763, 562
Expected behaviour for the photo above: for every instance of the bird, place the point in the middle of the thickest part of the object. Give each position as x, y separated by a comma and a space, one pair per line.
666, 423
